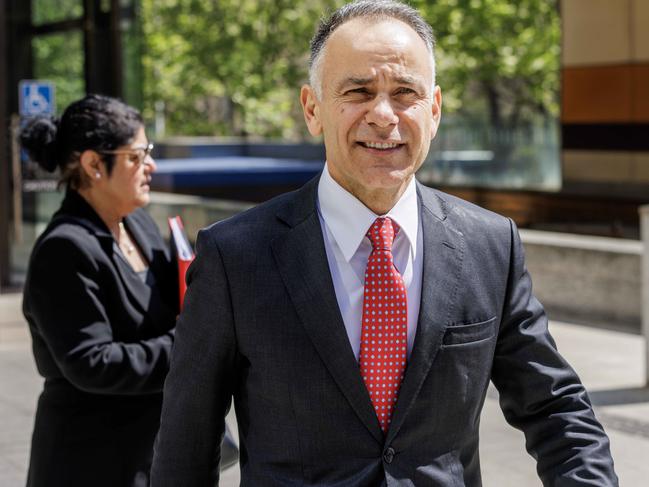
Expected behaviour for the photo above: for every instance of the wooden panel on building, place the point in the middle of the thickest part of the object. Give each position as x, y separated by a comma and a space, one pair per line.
640, 92
597, 94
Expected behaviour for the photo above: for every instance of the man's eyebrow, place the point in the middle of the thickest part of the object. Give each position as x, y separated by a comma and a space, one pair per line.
355, 81
360, 81
406, 80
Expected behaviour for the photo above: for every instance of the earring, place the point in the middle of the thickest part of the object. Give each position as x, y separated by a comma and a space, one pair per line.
97, 174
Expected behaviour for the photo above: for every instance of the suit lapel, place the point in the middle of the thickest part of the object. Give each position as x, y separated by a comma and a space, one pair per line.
443, 253
143, 238
139, 292
302, 263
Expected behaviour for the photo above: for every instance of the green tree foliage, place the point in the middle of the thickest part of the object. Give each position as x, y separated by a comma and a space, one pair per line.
59, 57
45, 11
234, 67
230, 67
499, 58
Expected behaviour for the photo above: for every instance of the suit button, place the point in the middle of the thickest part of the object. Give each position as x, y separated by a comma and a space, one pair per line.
388, 455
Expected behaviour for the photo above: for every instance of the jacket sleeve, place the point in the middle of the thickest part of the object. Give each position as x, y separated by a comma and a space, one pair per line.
199, 386
64, 298
542, 395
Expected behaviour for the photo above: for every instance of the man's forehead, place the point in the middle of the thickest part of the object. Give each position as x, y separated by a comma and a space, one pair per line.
385, 41
363, 50
388, 33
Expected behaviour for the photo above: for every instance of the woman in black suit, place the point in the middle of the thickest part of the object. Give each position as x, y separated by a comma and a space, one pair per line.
101, 301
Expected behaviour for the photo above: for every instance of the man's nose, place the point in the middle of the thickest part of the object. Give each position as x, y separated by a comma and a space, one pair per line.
382, 113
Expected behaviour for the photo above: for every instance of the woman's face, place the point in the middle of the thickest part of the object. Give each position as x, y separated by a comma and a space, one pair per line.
127, 186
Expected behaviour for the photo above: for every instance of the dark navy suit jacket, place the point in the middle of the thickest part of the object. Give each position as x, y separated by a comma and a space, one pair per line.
261, 325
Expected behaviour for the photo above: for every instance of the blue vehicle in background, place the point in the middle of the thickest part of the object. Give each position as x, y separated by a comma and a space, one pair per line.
235, 171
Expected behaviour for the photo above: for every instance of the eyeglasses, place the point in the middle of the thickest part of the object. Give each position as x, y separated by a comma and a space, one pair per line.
140, 153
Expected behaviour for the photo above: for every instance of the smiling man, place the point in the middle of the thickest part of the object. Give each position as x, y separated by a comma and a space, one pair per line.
373, 97
358, 321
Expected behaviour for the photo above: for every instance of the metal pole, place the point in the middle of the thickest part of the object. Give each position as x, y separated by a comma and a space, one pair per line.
644, 231
17, 180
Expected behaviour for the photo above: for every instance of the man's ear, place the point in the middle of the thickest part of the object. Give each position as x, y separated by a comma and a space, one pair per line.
91, 165
311, 109
436, 111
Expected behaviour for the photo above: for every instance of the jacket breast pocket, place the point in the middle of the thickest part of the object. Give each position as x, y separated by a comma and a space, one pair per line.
469, 333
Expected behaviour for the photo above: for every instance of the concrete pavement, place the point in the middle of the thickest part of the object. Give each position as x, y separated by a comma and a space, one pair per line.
610, 364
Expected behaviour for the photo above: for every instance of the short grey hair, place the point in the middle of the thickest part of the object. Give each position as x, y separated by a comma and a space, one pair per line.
365, 9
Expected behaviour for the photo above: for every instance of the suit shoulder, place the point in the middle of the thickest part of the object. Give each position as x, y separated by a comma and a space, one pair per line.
482, 229
460, 210
257, 223
487, 236
63, 249
66, 234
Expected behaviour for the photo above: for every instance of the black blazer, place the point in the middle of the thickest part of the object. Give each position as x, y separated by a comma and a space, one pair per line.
102, 340
261, 323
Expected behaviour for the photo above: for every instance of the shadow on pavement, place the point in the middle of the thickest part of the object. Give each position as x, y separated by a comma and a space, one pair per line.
612, 397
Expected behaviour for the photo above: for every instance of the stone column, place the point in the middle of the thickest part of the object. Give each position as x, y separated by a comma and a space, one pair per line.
644, 229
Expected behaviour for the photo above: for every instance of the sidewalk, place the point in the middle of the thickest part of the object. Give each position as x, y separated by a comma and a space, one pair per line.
609, 363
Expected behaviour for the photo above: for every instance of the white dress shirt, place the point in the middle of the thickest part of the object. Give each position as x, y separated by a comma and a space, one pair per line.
345, 221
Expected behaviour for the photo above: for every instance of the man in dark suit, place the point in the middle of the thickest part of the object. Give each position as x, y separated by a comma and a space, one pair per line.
358, 321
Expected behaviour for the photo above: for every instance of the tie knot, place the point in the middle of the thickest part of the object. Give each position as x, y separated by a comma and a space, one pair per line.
382, 233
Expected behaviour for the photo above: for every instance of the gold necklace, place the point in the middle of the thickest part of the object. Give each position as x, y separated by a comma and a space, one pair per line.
127, 243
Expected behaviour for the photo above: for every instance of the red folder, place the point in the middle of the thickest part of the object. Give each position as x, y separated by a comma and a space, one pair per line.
184, 253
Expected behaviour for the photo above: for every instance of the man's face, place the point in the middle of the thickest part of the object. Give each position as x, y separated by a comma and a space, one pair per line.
378, 110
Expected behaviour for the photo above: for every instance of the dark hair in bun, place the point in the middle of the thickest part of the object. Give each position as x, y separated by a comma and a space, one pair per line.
38, 138
96, 122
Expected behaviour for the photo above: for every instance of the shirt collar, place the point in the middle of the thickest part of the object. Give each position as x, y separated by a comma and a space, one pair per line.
349, 220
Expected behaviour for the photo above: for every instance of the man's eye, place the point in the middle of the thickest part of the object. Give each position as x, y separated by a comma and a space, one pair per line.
358, 91
405, 91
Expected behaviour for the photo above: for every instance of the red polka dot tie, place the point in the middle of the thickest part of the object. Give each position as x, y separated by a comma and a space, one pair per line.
385, 323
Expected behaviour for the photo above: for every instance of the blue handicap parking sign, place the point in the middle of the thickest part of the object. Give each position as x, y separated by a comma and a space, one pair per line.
36, 97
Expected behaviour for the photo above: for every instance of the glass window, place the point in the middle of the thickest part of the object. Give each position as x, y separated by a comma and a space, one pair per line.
59, 58
470, 154
46, 11
131, 59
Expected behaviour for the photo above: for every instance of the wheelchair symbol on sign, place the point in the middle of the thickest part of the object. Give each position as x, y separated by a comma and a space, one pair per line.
36, 97
34, 103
